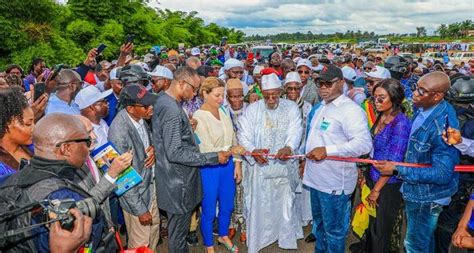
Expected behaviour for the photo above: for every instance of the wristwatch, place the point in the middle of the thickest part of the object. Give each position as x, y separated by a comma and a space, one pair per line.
395, 172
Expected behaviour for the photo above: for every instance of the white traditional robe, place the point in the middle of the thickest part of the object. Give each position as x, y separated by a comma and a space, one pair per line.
269, 190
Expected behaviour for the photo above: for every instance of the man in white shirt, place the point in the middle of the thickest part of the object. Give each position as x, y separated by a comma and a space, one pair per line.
337, 127
94, 106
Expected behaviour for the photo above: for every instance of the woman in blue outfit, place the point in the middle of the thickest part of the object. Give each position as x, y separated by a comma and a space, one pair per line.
16, 130
214, 132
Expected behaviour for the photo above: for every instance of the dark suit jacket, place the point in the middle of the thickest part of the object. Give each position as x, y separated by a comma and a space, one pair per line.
178, 181
124, 136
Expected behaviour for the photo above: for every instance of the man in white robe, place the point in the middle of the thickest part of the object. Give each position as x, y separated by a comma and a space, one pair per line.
272, 125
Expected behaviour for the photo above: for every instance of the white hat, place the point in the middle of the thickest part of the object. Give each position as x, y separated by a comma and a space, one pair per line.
257, 69
304, 62
270, 82
430, 60
89, 95
161, 71
292, 77
114, 73
143, 65
195, 51
380, 72
449, 65
232, 63
349, 73
148, 58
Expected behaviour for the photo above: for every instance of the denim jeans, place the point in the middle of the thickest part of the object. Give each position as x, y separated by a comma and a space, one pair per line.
422, 218
331, 220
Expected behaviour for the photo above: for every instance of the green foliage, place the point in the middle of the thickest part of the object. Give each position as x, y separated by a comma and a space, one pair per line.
455, 31
64, 33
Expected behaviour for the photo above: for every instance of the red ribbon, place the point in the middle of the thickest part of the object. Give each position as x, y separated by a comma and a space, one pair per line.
457, 168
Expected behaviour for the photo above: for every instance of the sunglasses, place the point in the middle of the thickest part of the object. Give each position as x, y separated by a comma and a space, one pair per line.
368, 69
88, 142
379, 99
301, 72
326, 84
293, 88
422, 91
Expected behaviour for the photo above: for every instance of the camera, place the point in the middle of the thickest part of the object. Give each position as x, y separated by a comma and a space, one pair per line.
88, 207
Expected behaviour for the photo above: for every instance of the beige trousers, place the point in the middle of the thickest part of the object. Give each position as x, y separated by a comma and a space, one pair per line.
139, 235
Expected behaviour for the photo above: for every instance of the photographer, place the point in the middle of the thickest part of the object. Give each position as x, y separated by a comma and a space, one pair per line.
61, 145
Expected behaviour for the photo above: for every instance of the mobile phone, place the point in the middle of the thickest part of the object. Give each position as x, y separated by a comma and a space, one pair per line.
130, 38
223, 41
101, 48
40, 89
446, 126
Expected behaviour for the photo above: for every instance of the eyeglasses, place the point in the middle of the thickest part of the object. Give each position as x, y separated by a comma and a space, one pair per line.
195, 89
271, 95
366, 69
293, 88
301, 72
326, 84
422, 91
88, 142
236, 97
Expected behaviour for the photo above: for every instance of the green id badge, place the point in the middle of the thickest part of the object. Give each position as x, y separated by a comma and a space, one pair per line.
324, 125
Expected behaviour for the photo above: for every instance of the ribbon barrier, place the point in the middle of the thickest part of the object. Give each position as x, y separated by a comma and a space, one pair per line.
457, 168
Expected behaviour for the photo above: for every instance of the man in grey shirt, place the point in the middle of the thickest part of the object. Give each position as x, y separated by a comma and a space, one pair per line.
178, 178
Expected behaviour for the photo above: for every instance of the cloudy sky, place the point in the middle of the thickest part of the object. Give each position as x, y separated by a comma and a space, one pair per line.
326, 16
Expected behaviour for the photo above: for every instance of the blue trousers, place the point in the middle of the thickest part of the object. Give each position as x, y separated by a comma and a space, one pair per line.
331, 219
421, 224
218, 184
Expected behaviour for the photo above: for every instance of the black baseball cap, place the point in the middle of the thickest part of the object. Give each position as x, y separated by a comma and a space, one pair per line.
137, 94
329, 72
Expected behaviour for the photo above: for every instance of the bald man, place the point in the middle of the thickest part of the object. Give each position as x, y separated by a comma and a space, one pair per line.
61, 148
427, 191
62, 101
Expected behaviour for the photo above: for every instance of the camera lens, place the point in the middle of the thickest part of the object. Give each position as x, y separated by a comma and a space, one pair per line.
88, 207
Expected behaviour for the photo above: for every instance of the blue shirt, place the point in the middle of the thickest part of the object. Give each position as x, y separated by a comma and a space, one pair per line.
56, 105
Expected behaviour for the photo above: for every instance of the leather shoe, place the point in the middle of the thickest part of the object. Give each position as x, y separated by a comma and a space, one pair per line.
310, 238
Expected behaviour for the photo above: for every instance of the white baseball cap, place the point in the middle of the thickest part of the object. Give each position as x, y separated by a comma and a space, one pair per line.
304, 62
349, 73
89, 95
292, 77
114, 73
380, 72
161, 71
195, 51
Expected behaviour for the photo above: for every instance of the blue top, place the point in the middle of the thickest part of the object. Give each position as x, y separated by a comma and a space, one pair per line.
391, 144
113, 102
57, 105
471, 221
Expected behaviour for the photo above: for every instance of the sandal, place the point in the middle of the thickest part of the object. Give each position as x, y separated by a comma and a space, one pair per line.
234, 247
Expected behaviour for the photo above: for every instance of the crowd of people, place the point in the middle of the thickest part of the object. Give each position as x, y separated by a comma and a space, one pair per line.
236, 144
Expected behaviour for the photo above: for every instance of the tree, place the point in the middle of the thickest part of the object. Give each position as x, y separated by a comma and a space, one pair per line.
420, 31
